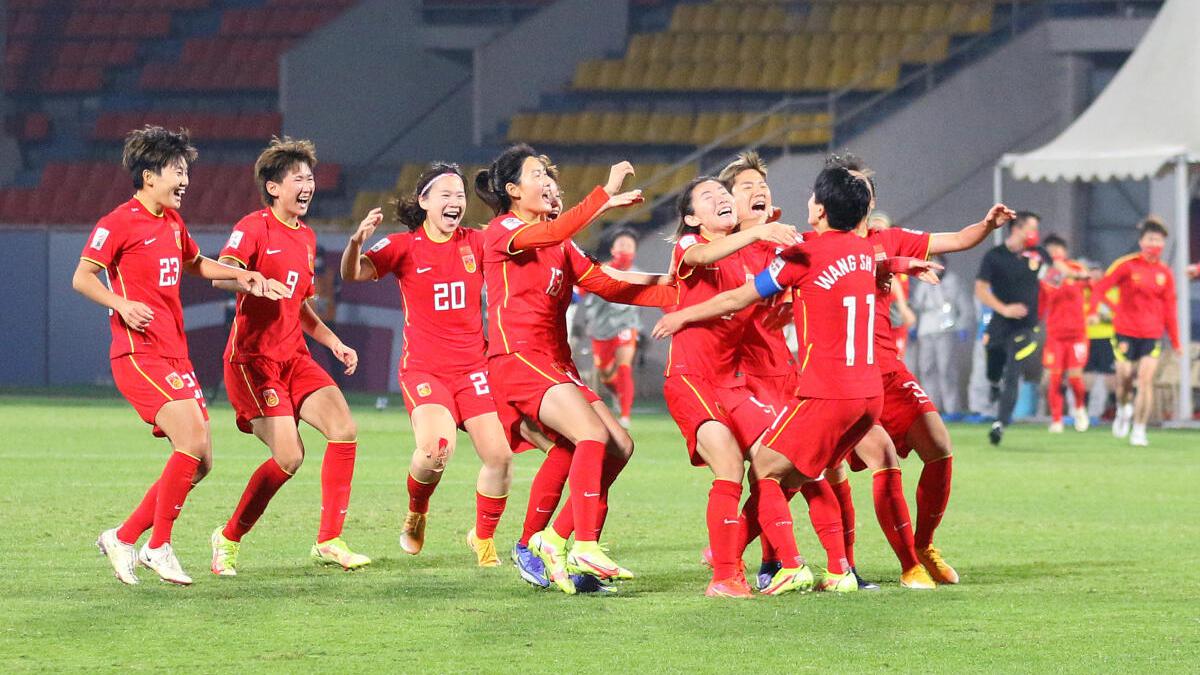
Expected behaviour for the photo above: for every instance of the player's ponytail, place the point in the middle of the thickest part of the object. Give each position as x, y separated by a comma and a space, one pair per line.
490, 183
683, 207
408, 207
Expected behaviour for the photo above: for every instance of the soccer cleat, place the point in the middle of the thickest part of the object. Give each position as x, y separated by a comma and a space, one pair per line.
225, 554
1123, 420
767, 571
1138, 437
121, 556
735, 587
790, 579
588, 558
485, 550
624, 422
938, 570
548, 546
163, 561
845, 582
917, 579
1082, 421
336, 552
863, 584
412, 537
706, 557
996, 434
586, 583
622, 573
1056, 427
530, 567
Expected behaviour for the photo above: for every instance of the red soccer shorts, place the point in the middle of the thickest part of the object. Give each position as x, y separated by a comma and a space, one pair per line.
268, 388
774, 390
818, 433
693, 400
149, 382
519, 381
904, 401
604, 352
1060, 355
464, 394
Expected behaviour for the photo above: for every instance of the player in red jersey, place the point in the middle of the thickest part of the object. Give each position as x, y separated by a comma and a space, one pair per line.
438, 265
530, 265
143, 246
1063, 305
272, 380
839, 392
719, 417
1144, 311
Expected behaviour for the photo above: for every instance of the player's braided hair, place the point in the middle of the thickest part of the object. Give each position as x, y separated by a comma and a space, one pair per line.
152, 148
408, 207
490, 183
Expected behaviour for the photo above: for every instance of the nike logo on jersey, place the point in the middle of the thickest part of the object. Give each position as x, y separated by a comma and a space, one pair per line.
591, 494
149, 241
273, 251
423, 270
730, 522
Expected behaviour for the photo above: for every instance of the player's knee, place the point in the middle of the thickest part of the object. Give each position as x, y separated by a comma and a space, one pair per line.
343, 429
621, 444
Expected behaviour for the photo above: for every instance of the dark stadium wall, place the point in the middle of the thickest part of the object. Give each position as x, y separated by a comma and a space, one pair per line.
363, 79
10, 155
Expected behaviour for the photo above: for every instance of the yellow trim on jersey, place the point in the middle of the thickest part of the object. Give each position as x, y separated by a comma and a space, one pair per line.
150, 210
586, 272
503, 304
786, 422
508, 245
243, 263
93, 261
249, 388
1121, 261
233, 334
483, 494
536, 369
152, 382
188, 454
282, 221
433, 234
876, 472
698, 397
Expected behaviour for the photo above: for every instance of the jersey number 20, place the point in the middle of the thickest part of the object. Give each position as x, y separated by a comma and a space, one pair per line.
450, 296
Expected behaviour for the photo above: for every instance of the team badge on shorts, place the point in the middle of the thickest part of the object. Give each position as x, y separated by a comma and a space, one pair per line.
1123, 346
175, 381
424, 390
270, 397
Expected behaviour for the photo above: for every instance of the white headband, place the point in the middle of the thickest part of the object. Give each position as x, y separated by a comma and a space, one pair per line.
429, 185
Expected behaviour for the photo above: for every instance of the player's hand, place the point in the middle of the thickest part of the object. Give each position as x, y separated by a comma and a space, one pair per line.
1016, 310
998, 216
616, 177
777, 233
136, 315
776, 215
779, 316
669, 325
1193, 270
925, 270
620, 201
253, 283
346, 355
367, 227
276, 290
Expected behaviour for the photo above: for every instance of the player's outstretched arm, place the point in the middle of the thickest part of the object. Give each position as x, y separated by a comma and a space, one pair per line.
86, 281
659, 293
971, 235
356, 266
572, 221
710, 252
719, 305
312, 325
641, 278
276, 287
246, 281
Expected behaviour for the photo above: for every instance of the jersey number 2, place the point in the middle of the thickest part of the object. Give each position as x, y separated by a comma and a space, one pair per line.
851, 305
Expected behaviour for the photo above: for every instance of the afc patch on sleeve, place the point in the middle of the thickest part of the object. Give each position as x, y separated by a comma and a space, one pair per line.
99, 238
776, 267
235, 239
687, 241
911, 231
379, 245
512, 223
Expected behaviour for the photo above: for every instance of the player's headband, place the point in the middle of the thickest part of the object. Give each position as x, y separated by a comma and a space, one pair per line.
429, 185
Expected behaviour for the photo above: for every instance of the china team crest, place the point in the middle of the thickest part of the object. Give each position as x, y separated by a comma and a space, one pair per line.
424, 390
175, 381
468, 259
271, 398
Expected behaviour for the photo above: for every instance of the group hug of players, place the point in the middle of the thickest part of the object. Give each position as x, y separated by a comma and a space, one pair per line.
749, 409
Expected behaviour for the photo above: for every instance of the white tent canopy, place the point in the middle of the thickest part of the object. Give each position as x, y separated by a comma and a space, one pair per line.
1146, 121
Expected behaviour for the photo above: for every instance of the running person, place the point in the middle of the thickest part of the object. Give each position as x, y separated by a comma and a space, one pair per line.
270, 376
1144, 311
530, 265
1063, 305
438, 265
614, 329
142, 246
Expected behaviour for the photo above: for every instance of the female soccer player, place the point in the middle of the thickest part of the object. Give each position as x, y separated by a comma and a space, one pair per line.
142, 246
272, 379
530, 265
438, 265
613, 329
1063, 304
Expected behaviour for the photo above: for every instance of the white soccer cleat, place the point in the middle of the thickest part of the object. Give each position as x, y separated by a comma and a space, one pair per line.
1123, 420
163, 561
1056, 427
121, 556
1082, 422
1138, 436
624, 422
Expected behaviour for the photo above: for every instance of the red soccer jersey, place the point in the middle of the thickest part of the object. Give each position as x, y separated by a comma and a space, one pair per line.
894, 242
1146, 307
710, 348
441, 287
143, 255
1061, 301
835, 312
529, 291
266, 328
764, 350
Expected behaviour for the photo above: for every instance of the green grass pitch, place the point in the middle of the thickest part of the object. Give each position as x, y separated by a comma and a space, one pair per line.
1077, 553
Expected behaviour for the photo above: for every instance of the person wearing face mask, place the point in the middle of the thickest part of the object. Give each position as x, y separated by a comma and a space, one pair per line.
613, 329
1007, 282
1144, 311
1062, 301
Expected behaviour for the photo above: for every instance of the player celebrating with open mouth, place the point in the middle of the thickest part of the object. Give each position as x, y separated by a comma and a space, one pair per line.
272, 379
438, 265
143, 246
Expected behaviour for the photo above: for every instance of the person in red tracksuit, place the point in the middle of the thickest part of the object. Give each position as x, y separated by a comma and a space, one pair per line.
1062, 304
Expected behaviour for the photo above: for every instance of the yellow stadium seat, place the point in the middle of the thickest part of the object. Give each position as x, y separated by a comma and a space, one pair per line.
818, 19
706, 128
912, 17
609, 74
722, 48
866, 47
890, 45
409, 174
587, 127
842, 19
660, 48
887, 20
771, 131
773, 47
678, 77
631, 76
727, 77
518, 127
865, 17
793, 76
657, 127
682, 17
818, 76
768, 76
935, 17
680, 129
820, 47
700, 79
609, 127
692, 48
655, 75
587, 74
634, 130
